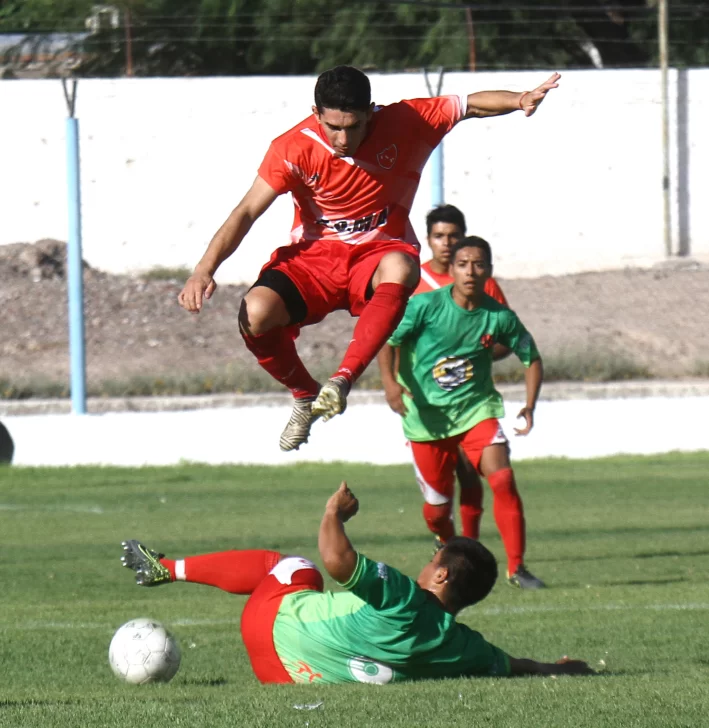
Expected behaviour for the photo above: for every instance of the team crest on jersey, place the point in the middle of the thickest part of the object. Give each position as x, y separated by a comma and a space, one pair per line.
387, 157
487, 341
452, 371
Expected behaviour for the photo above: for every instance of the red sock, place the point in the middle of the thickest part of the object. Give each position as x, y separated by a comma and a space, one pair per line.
376, 324
276, 353
439, 520
471, 510
236, 572
509, 516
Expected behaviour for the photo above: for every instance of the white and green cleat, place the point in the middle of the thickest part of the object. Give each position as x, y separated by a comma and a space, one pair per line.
332, 399
297, 430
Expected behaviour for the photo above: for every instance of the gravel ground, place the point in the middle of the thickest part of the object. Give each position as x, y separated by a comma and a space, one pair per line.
649, 320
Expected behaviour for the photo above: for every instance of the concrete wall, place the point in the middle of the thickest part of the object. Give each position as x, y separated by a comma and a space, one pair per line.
366, 433
576, 187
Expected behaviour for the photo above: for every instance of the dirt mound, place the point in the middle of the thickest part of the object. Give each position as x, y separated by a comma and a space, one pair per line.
639, 321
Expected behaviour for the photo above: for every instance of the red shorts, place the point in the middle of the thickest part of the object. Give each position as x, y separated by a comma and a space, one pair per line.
435, 460
331, 275
292, 574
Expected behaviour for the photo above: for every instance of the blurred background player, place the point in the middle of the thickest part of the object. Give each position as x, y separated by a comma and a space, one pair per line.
384, 628
445, 391
352, 170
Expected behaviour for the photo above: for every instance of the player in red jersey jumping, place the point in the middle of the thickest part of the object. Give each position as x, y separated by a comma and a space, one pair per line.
352, 169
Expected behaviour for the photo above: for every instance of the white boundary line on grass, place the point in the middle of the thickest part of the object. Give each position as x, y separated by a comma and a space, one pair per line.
492, 611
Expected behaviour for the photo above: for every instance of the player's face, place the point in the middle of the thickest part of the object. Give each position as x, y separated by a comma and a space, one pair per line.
345, 130
431, 573
470, 271
443, 236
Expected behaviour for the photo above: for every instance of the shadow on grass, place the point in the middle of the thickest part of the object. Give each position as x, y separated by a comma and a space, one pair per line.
668, 554
216, 682
641, 582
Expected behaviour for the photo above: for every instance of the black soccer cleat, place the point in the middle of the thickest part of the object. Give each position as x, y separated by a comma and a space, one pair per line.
523, 579
146, 564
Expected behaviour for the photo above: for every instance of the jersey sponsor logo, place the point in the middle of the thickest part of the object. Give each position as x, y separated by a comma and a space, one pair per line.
387, 157
365, 670
382, 571
360, 225
452, 371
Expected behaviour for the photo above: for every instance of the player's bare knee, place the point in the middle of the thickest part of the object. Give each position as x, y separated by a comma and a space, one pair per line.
396, 267
259, 312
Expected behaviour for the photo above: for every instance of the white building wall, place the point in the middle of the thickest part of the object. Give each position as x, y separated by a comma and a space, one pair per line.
576, 187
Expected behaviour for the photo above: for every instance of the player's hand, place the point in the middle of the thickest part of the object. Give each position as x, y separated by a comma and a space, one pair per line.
394, 394
530, 100
198, 287
343, 503
528, 414
574, 667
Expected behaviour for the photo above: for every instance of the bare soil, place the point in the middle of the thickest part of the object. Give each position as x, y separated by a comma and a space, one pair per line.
656, 322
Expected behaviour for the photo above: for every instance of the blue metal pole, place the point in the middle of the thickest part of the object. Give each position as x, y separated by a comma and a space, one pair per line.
436, 158
437, 195
75, 273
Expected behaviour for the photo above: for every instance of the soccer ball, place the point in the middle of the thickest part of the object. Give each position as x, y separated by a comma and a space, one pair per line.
143, 651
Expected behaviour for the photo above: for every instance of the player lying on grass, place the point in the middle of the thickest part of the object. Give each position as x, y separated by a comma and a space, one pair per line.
385, 627
448, 402
352, 169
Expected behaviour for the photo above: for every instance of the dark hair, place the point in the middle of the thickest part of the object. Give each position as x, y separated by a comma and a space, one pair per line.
472, 241
472, 570
445, 213
343, 88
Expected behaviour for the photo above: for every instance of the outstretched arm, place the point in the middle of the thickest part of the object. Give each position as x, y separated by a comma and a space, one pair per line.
565, 666
498, 103
336, 552
226, 240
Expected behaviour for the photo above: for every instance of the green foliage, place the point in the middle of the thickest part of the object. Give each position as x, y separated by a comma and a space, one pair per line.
621, 543
240, 37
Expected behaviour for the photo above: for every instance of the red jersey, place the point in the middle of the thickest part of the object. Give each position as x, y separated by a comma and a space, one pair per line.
430, 281
366, 197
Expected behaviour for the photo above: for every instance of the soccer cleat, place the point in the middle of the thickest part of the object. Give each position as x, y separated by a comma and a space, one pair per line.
332, 399
146, 564
524, 579
301, 420
437, 544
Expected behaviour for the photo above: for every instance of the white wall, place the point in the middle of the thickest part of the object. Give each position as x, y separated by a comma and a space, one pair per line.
367, 433
576, 187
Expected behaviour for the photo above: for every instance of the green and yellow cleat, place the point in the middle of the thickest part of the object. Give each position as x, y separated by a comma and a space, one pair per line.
146, 564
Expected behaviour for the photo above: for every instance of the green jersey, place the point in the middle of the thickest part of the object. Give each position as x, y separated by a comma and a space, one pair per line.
385, 628
446, 362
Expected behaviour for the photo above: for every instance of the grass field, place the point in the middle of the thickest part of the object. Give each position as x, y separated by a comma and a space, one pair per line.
623, 544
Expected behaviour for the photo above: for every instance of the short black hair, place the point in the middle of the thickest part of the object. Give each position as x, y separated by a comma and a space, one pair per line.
343, 88
472, 570
472, 241
445, 213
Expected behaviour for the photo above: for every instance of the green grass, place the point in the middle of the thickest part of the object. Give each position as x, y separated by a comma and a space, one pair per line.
623, 543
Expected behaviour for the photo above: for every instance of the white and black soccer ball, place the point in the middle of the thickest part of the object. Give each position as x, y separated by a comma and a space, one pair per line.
143, 651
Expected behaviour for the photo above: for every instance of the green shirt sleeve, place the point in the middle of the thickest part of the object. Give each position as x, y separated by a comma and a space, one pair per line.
383, 587
411, 323
515, 337
480, 656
